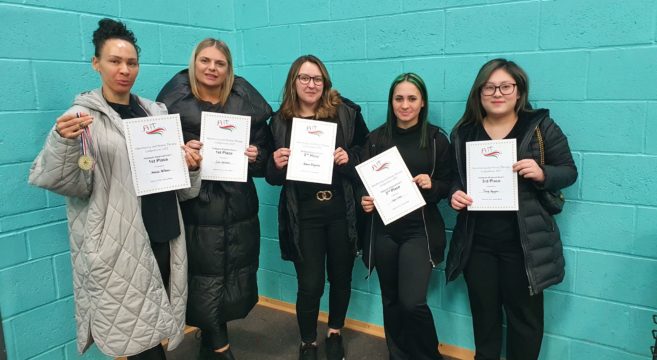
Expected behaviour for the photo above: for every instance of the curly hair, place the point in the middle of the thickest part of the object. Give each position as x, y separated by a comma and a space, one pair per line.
111, 29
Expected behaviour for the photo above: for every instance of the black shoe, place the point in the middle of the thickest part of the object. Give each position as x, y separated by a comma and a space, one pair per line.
224, 355
334, 348
308, 351
209, 354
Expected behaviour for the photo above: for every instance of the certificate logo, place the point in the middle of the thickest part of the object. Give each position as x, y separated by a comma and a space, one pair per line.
312, 130
152, 129
378, 166
490, 151
225, 125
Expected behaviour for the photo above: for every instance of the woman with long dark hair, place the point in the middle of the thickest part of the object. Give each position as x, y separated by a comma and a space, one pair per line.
405, 251
317, 222
128, 252
509, 257
221, 224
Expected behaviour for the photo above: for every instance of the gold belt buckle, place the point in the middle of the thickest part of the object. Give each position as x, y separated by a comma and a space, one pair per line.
324, 195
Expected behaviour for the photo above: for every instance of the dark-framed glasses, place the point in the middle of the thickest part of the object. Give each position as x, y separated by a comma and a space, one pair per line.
505, 89
305, 79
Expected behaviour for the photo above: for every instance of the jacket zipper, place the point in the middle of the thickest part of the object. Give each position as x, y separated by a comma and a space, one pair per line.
424, 221
530, 279
433, 265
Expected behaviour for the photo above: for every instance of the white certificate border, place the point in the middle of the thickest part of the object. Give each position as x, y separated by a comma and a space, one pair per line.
244, 175
394, 154
506, 142
186, 183
334, 129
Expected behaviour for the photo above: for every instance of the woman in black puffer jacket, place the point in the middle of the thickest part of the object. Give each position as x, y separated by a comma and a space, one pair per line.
222, 226
508, 257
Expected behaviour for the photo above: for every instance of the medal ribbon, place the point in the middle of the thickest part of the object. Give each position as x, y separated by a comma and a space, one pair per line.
87, 145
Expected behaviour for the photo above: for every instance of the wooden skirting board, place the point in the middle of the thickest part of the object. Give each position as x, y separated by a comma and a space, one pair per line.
361, 326
367, 328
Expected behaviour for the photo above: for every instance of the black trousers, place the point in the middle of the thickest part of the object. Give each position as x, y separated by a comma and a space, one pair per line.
325, 248
404, 270
497, 280
162, 253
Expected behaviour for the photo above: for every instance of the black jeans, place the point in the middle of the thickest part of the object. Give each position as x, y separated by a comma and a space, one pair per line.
325, 248
496, 279
162, 253
404, 270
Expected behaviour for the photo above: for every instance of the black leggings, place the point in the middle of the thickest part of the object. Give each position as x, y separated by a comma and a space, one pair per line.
325, 248
404, 270
496, 280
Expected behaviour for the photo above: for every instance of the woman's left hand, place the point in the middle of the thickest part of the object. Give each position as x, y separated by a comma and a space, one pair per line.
192, 154
423, 181
252, 153
340, 156
529, 169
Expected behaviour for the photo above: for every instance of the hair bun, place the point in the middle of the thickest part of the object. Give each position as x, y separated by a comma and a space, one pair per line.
112, 29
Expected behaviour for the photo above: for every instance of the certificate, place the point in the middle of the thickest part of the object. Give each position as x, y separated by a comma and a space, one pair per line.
492, 184
312, 144
389, 182
157, 159
225, 137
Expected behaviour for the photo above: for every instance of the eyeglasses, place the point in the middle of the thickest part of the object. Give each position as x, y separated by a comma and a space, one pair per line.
505, 89
305, 79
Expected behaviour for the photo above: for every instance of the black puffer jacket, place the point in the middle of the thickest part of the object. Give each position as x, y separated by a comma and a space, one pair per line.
539, 233
440, 185
221, 224
354, 133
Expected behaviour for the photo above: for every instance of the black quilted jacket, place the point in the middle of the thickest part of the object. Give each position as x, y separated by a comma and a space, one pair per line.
221, 225
539, 233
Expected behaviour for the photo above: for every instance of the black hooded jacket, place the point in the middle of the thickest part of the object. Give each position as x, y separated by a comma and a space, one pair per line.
221, 225
539, 233
434, 226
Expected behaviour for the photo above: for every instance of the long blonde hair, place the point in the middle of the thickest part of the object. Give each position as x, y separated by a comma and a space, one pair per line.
225, 89
328, 103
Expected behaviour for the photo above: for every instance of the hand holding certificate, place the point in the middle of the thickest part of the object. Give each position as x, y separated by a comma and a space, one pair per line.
155, 151
312, 144
389, 182
225, 138
492, 184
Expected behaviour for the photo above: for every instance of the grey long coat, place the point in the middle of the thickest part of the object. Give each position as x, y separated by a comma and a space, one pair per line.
120, 301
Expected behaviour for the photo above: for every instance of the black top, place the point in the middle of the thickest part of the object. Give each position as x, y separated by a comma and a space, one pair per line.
494, 226
417, 160
159, 211
310, 206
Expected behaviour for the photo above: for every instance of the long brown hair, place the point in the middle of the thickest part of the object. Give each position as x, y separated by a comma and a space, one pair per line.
225, 89
328, 103
474, 111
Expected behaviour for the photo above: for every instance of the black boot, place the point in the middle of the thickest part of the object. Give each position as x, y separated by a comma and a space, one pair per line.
334, 348
308, 351
155, 353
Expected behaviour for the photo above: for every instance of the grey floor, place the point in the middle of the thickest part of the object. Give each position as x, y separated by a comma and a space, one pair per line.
273, 335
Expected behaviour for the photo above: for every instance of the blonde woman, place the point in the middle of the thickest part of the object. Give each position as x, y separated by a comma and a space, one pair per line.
222, 225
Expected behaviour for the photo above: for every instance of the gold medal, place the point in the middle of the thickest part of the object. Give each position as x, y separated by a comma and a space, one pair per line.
85, 162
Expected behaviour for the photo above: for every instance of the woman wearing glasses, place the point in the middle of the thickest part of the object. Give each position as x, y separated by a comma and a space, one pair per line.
509, 257
222, 225
405, 251
317, 222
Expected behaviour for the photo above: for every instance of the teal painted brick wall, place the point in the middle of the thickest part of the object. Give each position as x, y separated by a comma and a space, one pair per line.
591, 62
45, 53
592, 65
